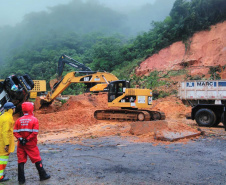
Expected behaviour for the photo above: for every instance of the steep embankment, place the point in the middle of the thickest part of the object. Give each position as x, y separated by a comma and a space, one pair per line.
204, 49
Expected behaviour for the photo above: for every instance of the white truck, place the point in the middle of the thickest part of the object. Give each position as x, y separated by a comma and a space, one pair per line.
208, 100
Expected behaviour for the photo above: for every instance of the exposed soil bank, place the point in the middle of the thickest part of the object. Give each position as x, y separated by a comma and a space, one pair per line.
204, 49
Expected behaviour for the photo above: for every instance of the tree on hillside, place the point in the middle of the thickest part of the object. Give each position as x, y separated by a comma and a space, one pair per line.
105, 54
37, 43
186, 18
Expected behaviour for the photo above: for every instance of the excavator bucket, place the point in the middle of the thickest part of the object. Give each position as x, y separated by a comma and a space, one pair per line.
40, 102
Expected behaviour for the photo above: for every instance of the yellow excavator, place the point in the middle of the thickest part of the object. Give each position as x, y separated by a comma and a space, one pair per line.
135, 104
95, 81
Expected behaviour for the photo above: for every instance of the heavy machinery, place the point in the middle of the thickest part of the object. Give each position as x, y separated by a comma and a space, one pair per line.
134, 103
208, 101
39, 88
16, 89
95, 81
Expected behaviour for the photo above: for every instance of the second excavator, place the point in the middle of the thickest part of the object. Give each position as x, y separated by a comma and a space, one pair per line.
94, 81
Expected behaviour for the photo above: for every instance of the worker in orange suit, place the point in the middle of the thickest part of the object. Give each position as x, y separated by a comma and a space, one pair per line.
6, 137
26, 131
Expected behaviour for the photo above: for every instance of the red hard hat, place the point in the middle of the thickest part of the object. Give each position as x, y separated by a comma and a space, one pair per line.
27, 107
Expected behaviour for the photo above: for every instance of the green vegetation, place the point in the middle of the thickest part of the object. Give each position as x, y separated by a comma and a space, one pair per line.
75, 89
63, 101
100, 45
215, 72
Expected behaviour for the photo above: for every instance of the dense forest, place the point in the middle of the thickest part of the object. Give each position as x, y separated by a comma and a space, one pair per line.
103, 42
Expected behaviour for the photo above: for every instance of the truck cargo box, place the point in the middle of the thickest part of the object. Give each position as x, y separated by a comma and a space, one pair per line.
203, 90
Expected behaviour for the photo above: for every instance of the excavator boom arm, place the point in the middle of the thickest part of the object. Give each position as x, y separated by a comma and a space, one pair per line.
64, 59
98, 77
96, 81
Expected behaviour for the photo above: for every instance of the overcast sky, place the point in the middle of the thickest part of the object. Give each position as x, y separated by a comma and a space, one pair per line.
12, 11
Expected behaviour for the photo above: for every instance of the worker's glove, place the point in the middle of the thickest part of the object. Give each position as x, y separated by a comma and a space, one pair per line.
23, 141
20, 140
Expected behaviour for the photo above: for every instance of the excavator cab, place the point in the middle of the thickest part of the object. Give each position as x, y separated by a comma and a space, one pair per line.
116, 89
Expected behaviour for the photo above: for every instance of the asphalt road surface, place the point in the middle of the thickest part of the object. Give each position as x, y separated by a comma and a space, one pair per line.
117, 161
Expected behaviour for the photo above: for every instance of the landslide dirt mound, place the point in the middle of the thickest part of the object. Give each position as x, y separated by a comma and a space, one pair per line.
78, 110
172, 107
74, 121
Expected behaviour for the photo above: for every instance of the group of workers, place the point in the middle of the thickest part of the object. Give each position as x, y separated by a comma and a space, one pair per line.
25, 130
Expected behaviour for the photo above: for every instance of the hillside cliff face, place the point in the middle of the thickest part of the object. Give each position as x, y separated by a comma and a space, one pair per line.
204, 49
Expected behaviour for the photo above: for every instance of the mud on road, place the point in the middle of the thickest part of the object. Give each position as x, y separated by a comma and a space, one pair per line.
77, 149
117, 160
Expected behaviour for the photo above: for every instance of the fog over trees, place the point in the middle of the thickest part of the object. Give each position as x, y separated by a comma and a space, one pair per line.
81, 17
101, 37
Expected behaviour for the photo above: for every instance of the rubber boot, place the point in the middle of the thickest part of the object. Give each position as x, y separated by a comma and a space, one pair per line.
21, 177
42, 173
4, 179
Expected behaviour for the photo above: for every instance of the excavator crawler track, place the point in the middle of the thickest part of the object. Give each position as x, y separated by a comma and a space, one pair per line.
128, 115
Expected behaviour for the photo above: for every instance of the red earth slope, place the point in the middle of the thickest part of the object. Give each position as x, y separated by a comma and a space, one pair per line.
205, 48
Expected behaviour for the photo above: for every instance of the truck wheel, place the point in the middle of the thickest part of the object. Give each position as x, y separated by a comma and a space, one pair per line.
205, 117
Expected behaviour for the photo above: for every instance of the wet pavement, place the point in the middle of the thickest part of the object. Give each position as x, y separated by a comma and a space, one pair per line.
118, 161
